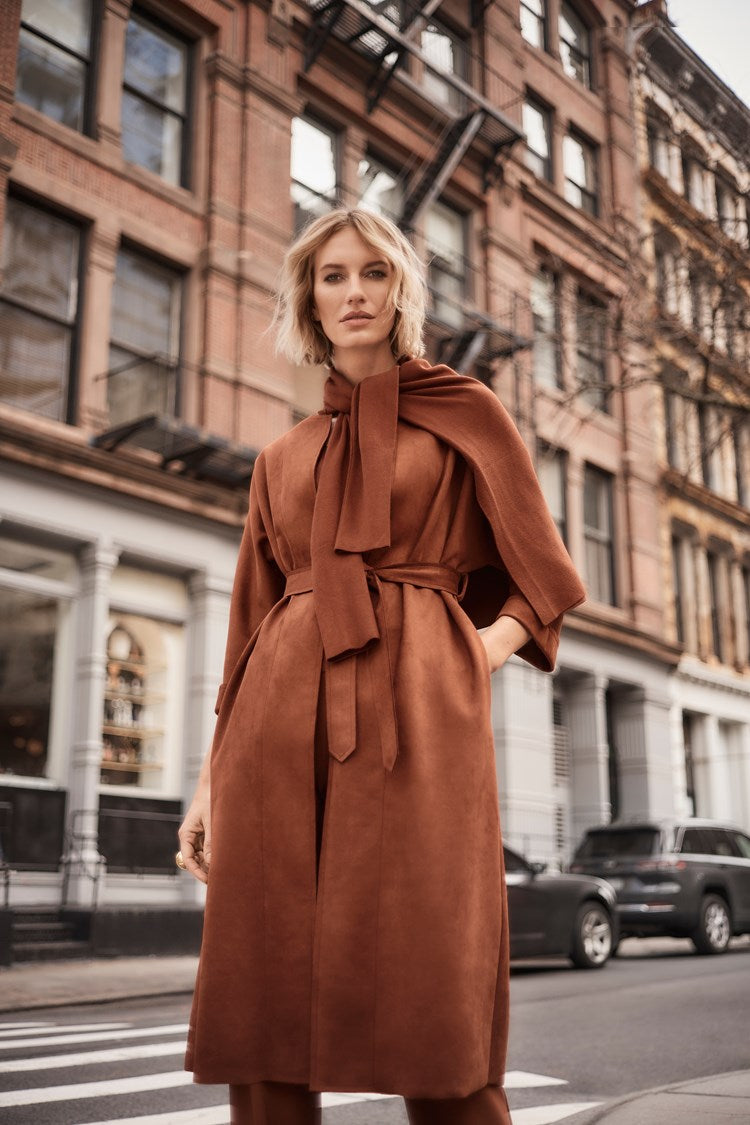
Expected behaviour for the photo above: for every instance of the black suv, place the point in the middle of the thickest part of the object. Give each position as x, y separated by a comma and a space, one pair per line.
677, 878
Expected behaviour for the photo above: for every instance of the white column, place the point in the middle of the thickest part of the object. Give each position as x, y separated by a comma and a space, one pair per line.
712, 784
586, 708
641, 731
523, 730
675, 168
682, 806
97, 562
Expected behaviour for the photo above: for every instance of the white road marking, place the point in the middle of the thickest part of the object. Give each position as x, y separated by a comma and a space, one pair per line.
524, 1080
547, 1114
211, 1115
48, 1028
92, 1058
111, 1088
328, 1100
129, 1033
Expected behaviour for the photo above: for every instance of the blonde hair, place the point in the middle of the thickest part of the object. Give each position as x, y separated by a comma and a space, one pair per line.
299, 336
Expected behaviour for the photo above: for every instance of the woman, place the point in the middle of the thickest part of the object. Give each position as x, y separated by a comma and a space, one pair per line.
355, 934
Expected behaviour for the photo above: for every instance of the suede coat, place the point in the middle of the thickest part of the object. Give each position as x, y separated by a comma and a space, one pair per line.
381, 533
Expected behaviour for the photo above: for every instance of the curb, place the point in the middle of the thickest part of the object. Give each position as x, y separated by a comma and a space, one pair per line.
602, 1112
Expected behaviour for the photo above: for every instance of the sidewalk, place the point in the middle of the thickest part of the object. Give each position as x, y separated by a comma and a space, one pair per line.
48, 984
708, 1101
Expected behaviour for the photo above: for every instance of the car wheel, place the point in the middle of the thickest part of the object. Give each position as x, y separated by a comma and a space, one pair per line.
714, 928
592, 936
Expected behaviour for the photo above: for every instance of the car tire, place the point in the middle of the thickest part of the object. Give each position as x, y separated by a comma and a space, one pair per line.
714, 928
592, 936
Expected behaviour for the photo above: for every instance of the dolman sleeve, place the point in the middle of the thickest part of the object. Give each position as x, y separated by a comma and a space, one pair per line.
258, 581
541, 648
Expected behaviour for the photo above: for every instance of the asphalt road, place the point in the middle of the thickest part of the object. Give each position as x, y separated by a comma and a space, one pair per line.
655, 1015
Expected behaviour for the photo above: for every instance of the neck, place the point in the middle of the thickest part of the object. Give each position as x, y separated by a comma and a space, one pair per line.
357, 364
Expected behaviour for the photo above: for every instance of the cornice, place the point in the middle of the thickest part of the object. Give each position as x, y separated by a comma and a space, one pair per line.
676, 484
623, 634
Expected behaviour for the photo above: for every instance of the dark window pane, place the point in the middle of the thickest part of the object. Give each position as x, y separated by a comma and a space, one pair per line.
693, 842
151, 137
718, 842
514, 865
34, 362
619, 842
156, 64
741, 843
154, 102
50, 80
28, 624
40, 260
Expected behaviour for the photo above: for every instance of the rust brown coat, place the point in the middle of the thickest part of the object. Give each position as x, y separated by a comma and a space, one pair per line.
391, 973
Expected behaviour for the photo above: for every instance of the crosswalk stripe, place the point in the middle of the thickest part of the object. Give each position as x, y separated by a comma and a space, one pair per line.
547, 1114
210, 1115
28, 1023
92, 1058
110, 1088
524, 1080
43, 1029
329, 1100
129, 1033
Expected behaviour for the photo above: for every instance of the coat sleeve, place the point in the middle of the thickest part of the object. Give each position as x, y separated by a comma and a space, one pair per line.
258, 580
541, 648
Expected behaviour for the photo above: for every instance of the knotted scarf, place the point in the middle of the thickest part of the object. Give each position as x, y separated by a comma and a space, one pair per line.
353, 501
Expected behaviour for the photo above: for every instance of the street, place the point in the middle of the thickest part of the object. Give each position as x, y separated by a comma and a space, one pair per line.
655, 1015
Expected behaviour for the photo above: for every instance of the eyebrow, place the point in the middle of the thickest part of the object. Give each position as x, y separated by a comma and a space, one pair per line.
339, 266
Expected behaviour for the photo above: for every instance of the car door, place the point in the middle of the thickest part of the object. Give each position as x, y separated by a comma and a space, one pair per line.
741, 844
526, 907
728, 864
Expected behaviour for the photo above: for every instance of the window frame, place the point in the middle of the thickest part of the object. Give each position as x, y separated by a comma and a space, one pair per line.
603, 538
555, 455
539, 21
444, 264
716, 604
92, 72
318, 123
430, 81
69, 411
590, 202
545, 162
389, 170
588, 81
137, 12
544, 272
588, 355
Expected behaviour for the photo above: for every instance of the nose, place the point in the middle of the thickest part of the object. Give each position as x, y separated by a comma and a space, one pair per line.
354, 291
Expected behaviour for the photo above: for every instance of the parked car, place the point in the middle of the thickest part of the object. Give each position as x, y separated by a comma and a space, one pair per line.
677, 878
559, 915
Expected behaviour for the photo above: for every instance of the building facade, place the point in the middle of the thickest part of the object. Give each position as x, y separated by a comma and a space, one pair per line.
694, 154
155, 161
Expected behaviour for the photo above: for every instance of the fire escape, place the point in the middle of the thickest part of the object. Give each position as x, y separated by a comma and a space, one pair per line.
388, 33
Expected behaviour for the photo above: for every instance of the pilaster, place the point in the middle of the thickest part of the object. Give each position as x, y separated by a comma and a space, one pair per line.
585, 702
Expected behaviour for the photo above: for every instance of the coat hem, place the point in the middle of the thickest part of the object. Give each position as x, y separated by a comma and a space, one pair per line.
294, 1078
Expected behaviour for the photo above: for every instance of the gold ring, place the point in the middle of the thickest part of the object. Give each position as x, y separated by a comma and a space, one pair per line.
180, 861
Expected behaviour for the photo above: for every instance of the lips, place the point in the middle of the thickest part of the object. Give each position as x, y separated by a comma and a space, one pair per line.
356, 316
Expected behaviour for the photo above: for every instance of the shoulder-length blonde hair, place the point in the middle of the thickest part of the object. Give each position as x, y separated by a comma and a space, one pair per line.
299, 335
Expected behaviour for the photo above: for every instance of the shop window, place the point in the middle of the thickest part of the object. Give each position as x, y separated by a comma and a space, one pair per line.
575, 45
155, 125
380, 189
38, 310
546, 321
144, 347
54, 59
313, 171
133, 726
591, 351
551, 470
537, 125
445, 238
580, 162
534, 22
599, 534
447, 51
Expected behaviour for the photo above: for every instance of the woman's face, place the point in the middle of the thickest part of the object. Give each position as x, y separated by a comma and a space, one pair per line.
351, 283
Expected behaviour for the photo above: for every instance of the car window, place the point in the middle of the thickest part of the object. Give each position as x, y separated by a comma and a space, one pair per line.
514, 865
607, 843
693, 842
742, 843
718, 841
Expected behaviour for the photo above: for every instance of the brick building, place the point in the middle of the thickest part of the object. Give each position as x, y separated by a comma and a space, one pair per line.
155, 159
694, 153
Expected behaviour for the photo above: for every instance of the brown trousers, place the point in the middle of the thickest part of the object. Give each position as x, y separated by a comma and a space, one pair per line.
276, 1103
280, 1103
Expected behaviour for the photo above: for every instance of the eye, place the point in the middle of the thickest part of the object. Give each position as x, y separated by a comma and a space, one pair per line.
377, 273
332, 277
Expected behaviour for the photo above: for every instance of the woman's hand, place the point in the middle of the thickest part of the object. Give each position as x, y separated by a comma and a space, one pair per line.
195, 834
503, 637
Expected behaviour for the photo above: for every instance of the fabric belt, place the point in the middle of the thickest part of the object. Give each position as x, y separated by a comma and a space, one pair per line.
341, 672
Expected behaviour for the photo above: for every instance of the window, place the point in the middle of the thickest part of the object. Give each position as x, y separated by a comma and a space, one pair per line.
598, 534
701, 306
718, 842
534, 22
546, 322
716, 602
54, 59
657, 134
448, 52
728, 212
741, 442
537, 125
580, 166
144, 349
445, 238
591, 351
154, 100
30, 642
678, 585
551, 470
694, 179
380, 189
666, 256
38, 310
741, 842
694, 842
745, 573
688, 742
314, 171
677, 411
710, 446
575, 45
